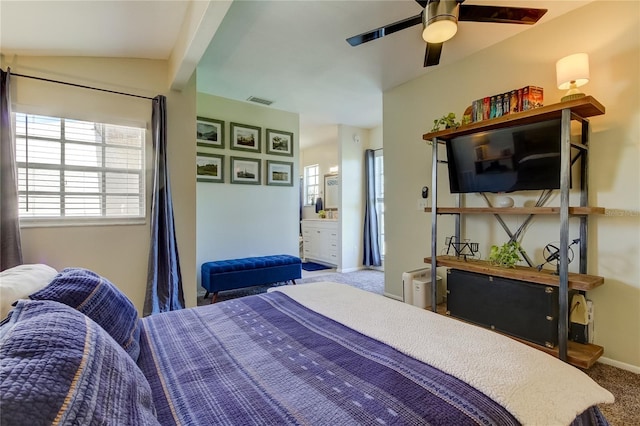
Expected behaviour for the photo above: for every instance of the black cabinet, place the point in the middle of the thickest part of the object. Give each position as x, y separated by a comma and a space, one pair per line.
518, 308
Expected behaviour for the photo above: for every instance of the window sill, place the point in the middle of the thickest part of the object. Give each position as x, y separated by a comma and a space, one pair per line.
57, 223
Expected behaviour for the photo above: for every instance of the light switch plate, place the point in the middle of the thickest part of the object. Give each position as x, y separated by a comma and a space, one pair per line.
422, 204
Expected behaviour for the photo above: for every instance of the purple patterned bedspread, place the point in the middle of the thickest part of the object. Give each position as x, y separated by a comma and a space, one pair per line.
266, 359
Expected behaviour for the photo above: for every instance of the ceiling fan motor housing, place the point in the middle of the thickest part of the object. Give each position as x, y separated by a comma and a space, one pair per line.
438, 19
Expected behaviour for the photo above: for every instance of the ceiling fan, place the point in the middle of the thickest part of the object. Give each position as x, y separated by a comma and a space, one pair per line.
440, 22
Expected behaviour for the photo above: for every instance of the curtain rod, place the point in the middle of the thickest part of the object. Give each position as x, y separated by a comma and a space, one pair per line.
79, 85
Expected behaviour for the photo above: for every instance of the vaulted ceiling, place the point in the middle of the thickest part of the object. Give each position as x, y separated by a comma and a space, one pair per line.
291, 52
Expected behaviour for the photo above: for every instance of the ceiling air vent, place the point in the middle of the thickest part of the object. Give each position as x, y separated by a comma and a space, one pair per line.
259, 100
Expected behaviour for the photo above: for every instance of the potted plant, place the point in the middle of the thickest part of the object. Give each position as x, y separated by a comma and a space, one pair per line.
506, 255
449, 121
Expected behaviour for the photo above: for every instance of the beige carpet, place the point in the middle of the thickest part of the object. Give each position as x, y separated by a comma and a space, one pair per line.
625, 386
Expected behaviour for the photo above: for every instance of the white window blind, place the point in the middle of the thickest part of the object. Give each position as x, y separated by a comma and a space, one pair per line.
73, 170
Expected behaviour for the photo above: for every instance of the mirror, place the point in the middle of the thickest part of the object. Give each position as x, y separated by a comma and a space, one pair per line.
331, 186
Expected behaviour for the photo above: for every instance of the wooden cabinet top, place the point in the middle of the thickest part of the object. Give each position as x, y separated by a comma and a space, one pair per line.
584, 107
545, 276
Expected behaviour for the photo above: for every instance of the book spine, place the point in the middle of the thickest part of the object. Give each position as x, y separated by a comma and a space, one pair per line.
513, 101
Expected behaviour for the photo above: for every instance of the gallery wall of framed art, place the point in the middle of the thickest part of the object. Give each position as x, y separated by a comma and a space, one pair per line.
210, 164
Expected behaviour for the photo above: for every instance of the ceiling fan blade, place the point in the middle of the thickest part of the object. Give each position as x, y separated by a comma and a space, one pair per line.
432, 54
386, 30
504, 15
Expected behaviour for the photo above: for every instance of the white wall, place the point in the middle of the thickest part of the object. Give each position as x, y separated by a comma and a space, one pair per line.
118, 252
236, 220
609, 31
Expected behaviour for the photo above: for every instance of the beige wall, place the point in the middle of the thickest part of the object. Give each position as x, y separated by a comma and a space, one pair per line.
118, 252
352, 142
325, 155
609, 31
235, 220
347, 152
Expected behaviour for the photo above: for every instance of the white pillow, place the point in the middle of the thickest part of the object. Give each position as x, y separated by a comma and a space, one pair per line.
20, 281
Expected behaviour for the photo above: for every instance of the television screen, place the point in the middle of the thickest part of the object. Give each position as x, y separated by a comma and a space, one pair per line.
516, 158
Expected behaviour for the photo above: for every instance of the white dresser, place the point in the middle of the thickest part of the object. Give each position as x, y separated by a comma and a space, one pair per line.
320, 240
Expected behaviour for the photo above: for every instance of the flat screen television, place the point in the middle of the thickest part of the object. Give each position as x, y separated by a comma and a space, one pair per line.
517, 158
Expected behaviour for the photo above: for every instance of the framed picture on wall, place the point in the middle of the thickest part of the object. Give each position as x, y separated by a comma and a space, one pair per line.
245, 137
210, 132
279, 173
245, 170
279, 142
209, 167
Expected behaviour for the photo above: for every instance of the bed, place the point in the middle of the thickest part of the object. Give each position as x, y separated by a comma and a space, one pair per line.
320, 353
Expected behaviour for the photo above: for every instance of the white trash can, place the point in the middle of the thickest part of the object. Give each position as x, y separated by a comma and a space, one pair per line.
422, 292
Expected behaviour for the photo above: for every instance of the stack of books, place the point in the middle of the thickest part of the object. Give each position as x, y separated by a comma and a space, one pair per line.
523, 99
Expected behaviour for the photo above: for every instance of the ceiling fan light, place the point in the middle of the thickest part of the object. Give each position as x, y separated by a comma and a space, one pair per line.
440, 31
440, 20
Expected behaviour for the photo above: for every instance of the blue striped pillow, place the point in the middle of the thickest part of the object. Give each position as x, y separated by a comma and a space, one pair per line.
58, 365
100, 300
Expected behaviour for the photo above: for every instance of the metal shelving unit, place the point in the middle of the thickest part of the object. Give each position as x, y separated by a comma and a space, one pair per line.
578, 110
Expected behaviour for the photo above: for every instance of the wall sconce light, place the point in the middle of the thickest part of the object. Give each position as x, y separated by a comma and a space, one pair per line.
440, 21
572, 72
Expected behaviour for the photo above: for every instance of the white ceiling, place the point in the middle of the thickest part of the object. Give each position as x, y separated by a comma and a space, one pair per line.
291, 52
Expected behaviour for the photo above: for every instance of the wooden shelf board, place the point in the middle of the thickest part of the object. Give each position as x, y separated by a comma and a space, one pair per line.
583, 107
582, 282
582, 355
578, 354
576, 211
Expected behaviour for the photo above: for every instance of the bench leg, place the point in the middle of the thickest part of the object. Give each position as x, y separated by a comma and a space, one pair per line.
294, 282
214, 299
206, 295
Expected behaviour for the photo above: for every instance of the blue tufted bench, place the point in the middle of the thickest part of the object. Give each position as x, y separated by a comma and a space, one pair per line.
232, 274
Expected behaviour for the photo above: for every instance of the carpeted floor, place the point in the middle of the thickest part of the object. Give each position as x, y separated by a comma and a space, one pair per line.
624, 385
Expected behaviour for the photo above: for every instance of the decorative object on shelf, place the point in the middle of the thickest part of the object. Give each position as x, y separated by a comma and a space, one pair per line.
210, 132
322, 214
209, 167
279, 173
245, 137
448, 121
245, 170
279, 142
572, 72
504, 201
467, 115
464, 249
551, 254
506, 255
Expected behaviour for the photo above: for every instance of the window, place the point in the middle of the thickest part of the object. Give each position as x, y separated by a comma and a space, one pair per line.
71, 170
379, 176
311, 184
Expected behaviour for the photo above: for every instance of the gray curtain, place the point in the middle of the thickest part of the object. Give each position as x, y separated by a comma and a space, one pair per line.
164, 280
371, 255
11, 247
